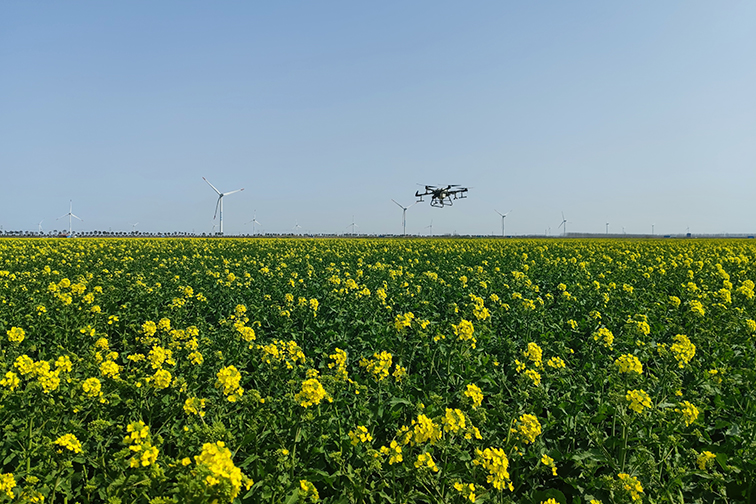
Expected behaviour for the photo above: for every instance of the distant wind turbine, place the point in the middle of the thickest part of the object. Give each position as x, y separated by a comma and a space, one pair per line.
133, 227
431, 227
254, 221
503, 216
296, 226
39, 226
404, 215
563, 225
607, 228
219, 203
353, 225
69, 215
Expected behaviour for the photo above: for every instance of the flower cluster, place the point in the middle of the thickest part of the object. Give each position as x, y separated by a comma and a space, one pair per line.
194, 406
688, 411
467, 490
495, 461
15, 335
379, 365
216, 460
704, 458
464, 332
394, 451
360, 435
683, 350
638, 400
228, 379
605, 336
631, 485
527, 428
312, 393
534, 353
425, 461
475, 394
140, 442
629, 364
69, 442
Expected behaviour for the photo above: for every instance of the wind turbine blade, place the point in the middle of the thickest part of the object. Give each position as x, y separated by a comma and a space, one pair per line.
75, 217
498, 212
64, 215
211, 185
232, 192
217, 203
400, 206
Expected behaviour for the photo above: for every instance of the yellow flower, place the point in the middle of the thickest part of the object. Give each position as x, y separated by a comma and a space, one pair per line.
464, 332
467, 490
704, 458
110, 369
683, 350
549, 462
92, 387
394, 450
534, 353
425, 461
605, 335
149, 328
631, 485
379, 366
697, 308
534, 376
425, 430
528, 428
689, 412
454, 420
556, 363
495, 461
194, 406
10, 381
161, 379
360, 435
475, 394
7, 484
629, 364
228, 379
69, 442
312, 393
638, 400
15, 335
307, 489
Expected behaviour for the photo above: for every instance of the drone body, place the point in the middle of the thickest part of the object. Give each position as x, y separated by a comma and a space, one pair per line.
442, 196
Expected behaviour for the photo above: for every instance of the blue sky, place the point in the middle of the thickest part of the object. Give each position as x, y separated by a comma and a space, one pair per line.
632, 113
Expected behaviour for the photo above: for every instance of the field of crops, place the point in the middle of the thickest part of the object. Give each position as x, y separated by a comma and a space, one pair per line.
400, 371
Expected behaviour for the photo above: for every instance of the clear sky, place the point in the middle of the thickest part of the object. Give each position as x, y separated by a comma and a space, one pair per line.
633, 113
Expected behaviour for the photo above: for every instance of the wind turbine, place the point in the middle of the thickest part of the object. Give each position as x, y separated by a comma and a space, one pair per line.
353, 225
296, 226
39, 226
404, 215
219, 203
133, 227
563, 224
254, 221
69, 215
503, 216
431, 227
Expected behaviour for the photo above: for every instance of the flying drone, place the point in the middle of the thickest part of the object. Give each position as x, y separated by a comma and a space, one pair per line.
442, 196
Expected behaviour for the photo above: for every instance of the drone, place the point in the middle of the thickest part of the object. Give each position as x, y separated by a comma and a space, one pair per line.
442, 196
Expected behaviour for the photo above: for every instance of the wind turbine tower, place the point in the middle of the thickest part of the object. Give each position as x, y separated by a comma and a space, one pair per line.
219, 203
69, 215
563, 225
404, 215
503, 216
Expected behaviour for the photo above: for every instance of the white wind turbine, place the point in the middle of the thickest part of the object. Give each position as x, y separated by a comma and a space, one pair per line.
254, 221
503, 216
404, 215
219, 203
133, 227
563, 225
353, 225
431, 227
296, 226
69, 215
39, 226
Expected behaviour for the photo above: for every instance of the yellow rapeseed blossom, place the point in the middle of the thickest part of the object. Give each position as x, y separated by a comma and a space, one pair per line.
161, 379
638, 400
534, 353
527, 428
467, 490
216, 460
69, 442
464, 332
379, 365
629, 364
475, 394
556, 363
149, 328
631, 485
425, 461
549, 462
7, 484
15, 334
424, 430
704, 458
312, 393
194, 406
688, 411
683, 350
360, 435
228, 380
92, 387
403, 321
308, 490
534, 376
394, 450
110, 369
11, 381
454, 420
605, 336
697, 308
495, 461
